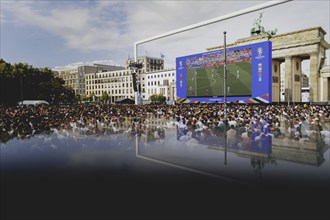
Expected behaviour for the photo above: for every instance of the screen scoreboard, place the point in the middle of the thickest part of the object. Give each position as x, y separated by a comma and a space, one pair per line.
200, 77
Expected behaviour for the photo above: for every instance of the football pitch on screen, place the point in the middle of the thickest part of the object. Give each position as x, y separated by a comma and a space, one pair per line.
208, 82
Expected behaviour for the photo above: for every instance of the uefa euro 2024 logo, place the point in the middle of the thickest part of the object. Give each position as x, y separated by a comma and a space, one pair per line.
259, 51
180, 65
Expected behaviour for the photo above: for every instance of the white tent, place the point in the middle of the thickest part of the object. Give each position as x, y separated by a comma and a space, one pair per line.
33, 102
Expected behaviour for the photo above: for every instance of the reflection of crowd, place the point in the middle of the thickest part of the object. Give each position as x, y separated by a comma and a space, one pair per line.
246, 123
203, 122
23, 122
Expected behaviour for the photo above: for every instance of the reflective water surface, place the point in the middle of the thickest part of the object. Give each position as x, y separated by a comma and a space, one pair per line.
166, 145
162, 151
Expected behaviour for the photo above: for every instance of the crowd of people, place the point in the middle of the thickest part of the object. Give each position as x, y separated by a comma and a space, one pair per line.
204, 122
217, 58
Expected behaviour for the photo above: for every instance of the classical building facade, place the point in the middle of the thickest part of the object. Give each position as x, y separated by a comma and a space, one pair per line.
72, 79
149, 64
291, 49
119, 84
325, 83
161, 82
75, 77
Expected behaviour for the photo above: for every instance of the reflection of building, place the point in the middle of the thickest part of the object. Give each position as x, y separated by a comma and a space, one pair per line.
297, 155
307, 153
291, 49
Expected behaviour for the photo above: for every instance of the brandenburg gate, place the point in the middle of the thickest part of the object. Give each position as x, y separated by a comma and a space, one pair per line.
291, 49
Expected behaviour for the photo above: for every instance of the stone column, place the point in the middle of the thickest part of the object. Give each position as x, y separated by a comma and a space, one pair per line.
276, 89
288, 79
314, 78
324, 90
325, 86
296, 79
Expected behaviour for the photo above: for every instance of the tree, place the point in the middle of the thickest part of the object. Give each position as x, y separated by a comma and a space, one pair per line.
157, 98
23, 81
83, 97
104, 97
91, 97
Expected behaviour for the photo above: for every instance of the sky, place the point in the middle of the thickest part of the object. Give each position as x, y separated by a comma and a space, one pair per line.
59, 34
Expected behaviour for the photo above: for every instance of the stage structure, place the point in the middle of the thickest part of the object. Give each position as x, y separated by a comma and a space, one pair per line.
200, 77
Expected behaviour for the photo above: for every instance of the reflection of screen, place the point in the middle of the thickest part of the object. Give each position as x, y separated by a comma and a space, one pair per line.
255, 140
205, 74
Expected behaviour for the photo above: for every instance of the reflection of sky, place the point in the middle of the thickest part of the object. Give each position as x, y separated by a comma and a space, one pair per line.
118, 152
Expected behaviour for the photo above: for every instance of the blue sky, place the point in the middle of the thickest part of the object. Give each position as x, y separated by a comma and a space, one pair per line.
64, 33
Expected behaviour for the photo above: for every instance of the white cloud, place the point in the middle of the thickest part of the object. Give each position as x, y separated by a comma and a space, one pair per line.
111, 25
114, 26
86, 63
81, 28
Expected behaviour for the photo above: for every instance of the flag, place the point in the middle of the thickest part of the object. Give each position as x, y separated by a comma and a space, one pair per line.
162, 55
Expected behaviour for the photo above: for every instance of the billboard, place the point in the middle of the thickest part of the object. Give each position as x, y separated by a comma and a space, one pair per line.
200, 77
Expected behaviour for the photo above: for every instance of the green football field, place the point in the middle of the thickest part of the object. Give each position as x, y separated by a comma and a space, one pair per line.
208, 82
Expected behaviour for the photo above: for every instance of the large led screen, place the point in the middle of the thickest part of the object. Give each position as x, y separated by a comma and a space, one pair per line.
200, 77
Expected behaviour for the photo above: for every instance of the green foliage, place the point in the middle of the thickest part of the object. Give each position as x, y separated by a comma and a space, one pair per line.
21, 81
83, 97
104, 97
91, 97
157, 98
